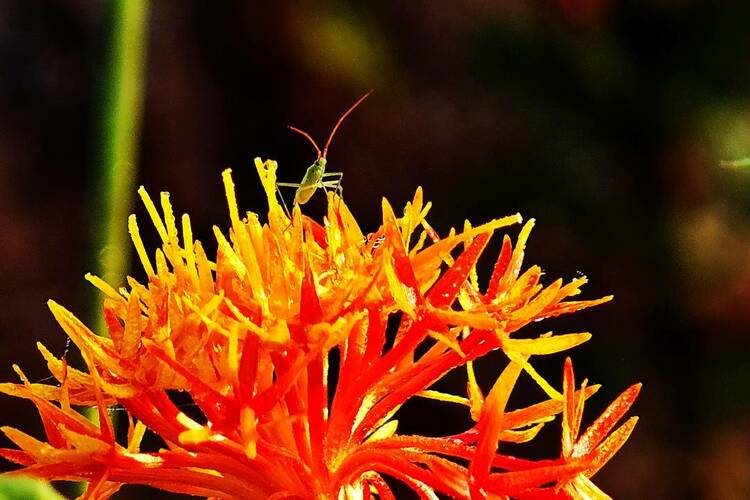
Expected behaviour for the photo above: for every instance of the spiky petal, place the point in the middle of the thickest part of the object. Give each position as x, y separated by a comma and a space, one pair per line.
249, 337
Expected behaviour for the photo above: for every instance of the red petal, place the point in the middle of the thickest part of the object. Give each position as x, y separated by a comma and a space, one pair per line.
248, 369
569, 433
217, 408
114, 326
606, 421
491, 424
445, 290
16, 456
348, 395
317, 402
513, 483
605, 451
317, 231
503, 260
286, 378
416, 333
401, 261
381, 487
543, 494
309, 309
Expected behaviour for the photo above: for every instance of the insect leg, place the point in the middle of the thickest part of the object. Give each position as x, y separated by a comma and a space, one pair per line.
335, 184
337, 188
283, 203
339, 177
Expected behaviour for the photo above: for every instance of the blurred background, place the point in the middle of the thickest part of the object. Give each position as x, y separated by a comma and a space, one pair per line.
606, 121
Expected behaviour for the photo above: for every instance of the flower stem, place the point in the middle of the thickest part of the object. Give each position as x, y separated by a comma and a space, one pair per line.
115, 171
121, 113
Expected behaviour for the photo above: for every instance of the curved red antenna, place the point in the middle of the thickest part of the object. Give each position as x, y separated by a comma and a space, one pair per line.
307, 136
333, 132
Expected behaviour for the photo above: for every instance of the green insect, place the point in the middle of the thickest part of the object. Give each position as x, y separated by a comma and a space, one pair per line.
316, 176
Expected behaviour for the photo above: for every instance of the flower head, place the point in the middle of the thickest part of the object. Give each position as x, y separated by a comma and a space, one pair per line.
249, 337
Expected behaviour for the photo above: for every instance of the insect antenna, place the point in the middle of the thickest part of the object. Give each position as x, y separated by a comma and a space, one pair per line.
307, 136
335, 128
64, 360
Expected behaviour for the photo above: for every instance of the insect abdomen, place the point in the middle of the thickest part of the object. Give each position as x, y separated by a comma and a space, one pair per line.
310, 182
304, 194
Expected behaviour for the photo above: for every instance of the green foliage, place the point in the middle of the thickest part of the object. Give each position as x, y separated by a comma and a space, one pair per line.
27, 488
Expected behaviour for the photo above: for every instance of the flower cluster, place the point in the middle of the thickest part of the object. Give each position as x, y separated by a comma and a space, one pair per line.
250, 337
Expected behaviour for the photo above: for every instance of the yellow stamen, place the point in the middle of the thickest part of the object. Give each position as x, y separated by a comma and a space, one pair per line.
443, 396
545, 386
187, 238
103, 286
135, 235
154, 214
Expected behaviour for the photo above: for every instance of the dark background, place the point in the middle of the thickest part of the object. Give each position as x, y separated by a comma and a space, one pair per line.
605, 121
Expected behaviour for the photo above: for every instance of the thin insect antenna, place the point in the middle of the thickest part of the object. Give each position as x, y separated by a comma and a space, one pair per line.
64, 359
307, 136
333, 132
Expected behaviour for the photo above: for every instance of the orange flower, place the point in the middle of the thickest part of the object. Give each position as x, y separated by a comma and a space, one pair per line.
249, 337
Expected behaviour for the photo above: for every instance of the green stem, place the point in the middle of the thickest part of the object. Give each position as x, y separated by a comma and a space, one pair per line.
116, 164
122, 110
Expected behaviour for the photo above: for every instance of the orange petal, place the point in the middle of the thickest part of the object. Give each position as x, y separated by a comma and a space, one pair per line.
606, 421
